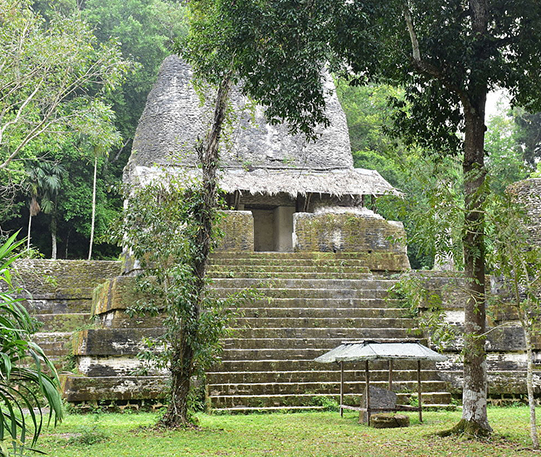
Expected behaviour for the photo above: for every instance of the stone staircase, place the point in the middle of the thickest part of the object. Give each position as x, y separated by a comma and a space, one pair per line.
58, 294
306, 304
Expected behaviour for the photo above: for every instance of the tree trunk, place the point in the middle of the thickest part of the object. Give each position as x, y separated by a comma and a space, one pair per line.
474, 413
53, 236
177, 414
529, 383
29, 229
93, 207
474, 394
182, 365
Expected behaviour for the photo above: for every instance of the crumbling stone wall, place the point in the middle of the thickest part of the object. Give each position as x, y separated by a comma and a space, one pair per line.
506, 357
348, 231
58, 293
238, 231
528, 192
43, 279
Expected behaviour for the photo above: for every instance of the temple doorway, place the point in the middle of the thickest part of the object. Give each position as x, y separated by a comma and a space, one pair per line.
273, 228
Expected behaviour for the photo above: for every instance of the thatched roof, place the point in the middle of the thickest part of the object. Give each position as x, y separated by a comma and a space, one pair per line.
337, 182
257, 157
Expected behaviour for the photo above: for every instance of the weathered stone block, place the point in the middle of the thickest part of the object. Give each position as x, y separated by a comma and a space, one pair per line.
389, 421
112, 342
81, 388
379, 399
63, 279
352, 232
238, 230
118, 293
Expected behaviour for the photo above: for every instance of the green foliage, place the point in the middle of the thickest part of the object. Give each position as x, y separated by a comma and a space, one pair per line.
160, 228
23, 382
327, 403
370, 116
426, 306
48, 69
90, 434
528, 134
431, 208
507, 160
145, 30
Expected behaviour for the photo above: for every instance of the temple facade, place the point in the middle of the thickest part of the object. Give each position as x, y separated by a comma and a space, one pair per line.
284, 193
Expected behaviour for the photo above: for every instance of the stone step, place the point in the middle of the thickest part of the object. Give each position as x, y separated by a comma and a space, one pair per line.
277, 353
236, 256
292, 293
239, 269
284, 365
218, 259
121, 319
324, 344
365, 284
300, 274
36, 307
317, 388
100, 366
83, 388
63, 322
319, 313
269, 409
112, 342
337, 333
324, 303
359, 323
283, 400
54, 344
320, 375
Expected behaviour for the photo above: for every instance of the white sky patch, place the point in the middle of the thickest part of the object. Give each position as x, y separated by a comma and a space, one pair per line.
497, 103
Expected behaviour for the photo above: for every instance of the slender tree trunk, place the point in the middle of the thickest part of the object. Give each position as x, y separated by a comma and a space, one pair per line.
529, 386
29, 229
474, 395
182, 364
66, 250
93, 207
53, 235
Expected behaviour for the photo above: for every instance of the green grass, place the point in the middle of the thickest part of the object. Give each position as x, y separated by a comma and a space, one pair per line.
321, 434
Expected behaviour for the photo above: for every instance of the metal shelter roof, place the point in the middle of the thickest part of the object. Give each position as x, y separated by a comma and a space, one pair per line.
356, 351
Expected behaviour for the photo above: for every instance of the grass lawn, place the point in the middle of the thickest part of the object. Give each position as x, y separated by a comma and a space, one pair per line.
321, 434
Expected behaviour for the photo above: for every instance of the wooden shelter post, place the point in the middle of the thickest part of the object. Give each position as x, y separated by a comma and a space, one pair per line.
367, 393
341, 389
419, 391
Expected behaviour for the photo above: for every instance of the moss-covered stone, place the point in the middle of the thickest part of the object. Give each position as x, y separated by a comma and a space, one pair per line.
238, 231
82, 388
118, 293
380, 241
62, 279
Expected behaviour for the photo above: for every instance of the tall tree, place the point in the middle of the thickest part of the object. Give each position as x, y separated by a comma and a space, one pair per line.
170, 227
45, 72
51, 71
448, 54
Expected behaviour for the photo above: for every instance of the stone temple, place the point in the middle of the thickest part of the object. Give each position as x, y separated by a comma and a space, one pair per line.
277, 184
298, 231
